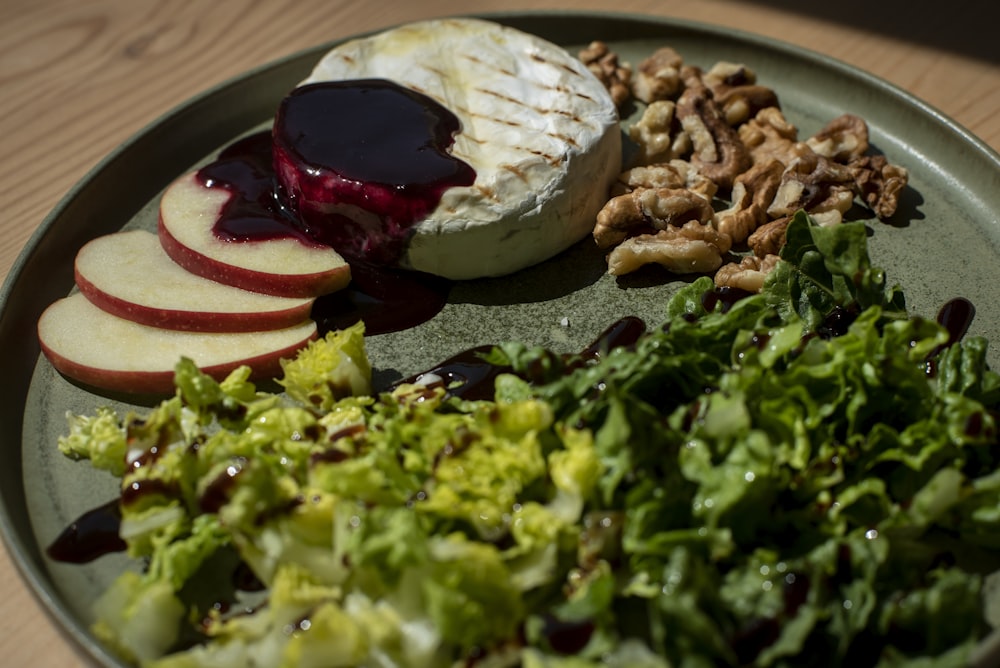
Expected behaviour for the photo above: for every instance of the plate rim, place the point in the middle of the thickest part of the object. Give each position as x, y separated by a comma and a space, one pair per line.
24, 553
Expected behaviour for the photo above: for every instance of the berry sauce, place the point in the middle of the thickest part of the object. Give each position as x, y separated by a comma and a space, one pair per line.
253, 211
360, 162
358, 191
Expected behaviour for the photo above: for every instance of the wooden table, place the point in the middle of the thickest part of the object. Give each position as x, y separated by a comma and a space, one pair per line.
78, 78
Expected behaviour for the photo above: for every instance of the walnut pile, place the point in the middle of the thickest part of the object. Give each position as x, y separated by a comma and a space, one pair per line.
718, 171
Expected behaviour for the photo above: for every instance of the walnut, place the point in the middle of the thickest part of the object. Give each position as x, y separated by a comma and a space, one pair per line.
752, 193
694, 248
662, 175
879, 183
648, 208
673, 174
830, 211
694, 180
737, 93
843, 139
658, 134
816, 184
616, 76
717, 150
769, 238
658, 76
725, 74
812, 167
748, 274
769, 136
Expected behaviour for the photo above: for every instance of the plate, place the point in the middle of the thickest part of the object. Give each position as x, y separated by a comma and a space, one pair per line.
942, 244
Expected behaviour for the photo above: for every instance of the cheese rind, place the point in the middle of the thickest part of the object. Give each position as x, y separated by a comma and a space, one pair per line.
539, 129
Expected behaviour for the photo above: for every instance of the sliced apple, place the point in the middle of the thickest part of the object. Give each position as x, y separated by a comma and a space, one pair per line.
129, 275
96, 348
281, 266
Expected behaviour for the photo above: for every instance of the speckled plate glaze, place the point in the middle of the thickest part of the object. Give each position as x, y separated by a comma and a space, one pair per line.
942, 244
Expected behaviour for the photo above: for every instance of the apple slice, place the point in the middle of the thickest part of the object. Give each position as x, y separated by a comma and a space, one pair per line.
128, 274
99, 349
279, 266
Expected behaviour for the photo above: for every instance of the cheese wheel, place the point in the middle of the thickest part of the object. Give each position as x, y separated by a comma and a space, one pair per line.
538, 128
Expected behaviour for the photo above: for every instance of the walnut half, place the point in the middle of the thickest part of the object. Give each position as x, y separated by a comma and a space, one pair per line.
673, 174
735, 89
658, 134
843, 139
604, 64
658, 76
694, 248
748, 274
717, 150
753, 193
644, 208
879, 183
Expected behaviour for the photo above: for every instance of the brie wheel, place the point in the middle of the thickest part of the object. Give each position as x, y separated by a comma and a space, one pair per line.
539, 129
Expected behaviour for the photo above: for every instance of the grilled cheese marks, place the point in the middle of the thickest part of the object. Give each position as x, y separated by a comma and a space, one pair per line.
540, 131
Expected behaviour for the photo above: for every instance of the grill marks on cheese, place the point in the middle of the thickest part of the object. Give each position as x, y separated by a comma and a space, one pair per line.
485, 69
509, 99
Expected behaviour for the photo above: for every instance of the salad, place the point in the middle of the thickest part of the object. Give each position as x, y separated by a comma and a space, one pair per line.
804, 476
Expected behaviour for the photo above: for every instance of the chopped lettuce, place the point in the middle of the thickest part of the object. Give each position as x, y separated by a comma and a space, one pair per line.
328, 370
806, 475
98, 438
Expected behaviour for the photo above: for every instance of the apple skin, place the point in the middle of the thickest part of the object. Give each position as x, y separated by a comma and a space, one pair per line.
100, 350
128, 274
283, 267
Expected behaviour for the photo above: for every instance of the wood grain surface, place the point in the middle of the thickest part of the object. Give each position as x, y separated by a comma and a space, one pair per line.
78, 77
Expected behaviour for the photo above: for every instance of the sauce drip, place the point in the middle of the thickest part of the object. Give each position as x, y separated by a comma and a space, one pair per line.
216, 494
956, 316
253, 211
624, 332
470, 376
724, 295
467, 374
388, 300
567, 637
92, 535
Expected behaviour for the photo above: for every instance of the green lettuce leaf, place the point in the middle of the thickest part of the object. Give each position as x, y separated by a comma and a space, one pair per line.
329, 369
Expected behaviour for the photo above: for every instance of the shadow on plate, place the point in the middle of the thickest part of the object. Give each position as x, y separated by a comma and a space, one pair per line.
909, 208
579, 266
967, 28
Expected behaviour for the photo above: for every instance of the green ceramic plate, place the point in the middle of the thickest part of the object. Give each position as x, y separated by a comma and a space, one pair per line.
943, 244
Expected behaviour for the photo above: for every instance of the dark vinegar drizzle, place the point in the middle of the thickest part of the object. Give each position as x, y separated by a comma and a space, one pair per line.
92, 535
470, 375
956, 316
724, 295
